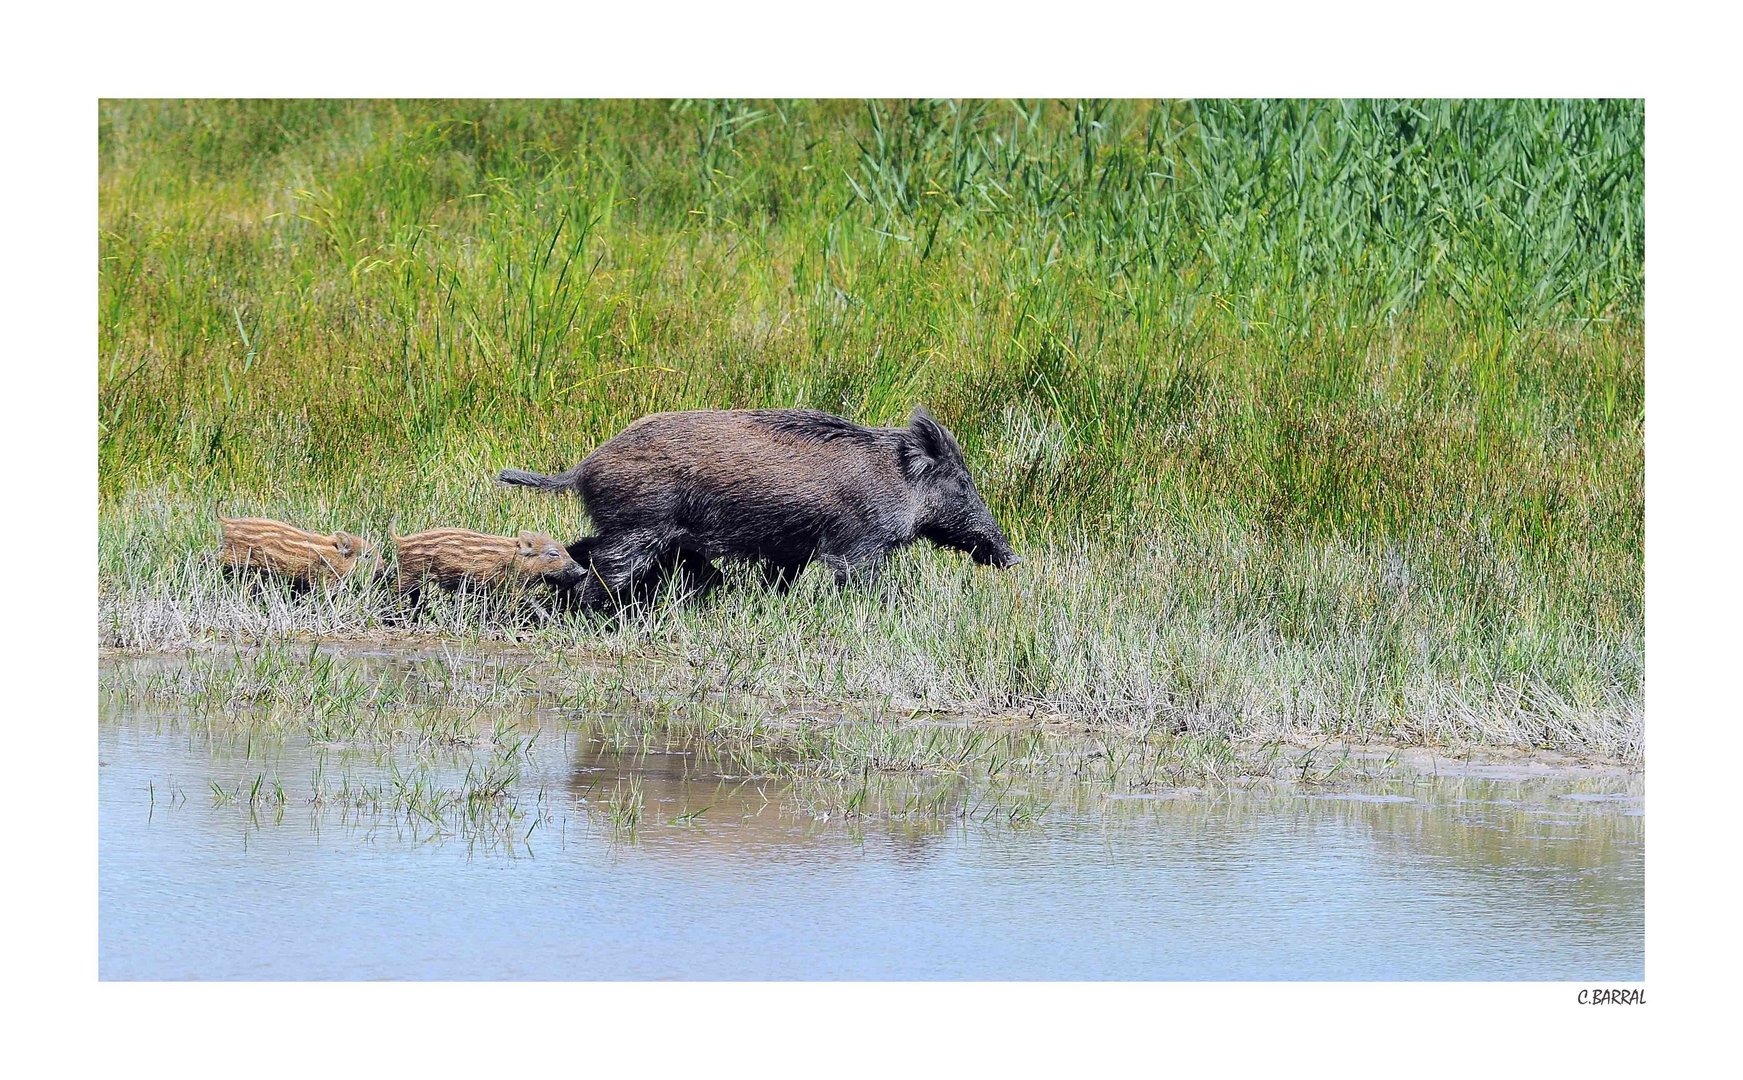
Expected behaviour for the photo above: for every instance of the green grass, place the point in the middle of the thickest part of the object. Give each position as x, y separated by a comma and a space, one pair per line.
1308, 415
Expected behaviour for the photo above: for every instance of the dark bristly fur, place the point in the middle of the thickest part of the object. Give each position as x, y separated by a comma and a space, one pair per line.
778, 486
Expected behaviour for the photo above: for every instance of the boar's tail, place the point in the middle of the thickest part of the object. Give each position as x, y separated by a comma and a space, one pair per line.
560, 482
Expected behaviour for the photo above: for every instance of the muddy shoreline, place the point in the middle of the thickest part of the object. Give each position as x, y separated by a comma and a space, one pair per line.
1490, 762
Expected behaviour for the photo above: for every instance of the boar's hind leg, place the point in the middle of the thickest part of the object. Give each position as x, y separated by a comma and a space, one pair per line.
692, 573
621, 560
408, 603
588, 593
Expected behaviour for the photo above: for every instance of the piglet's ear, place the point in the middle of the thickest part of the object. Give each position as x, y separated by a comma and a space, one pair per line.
525, 542
345, 544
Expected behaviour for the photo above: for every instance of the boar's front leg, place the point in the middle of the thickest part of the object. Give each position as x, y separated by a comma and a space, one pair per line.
858, 564
780, 576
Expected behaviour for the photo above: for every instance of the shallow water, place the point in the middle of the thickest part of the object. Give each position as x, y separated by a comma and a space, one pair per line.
725, 877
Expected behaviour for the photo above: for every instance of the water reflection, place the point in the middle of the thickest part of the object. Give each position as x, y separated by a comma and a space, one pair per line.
227, 855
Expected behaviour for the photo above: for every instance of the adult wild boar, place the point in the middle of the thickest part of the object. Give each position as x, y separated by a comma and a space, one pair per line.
776, 486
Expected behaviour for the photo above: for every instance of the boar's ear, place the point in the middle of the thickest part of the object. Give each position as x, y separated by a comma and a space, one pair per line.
912, 453
932, 439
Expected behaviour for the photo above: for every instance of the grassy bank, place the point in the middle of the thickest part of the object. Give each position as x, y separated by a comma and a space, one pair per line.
1308, 415
495, 747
